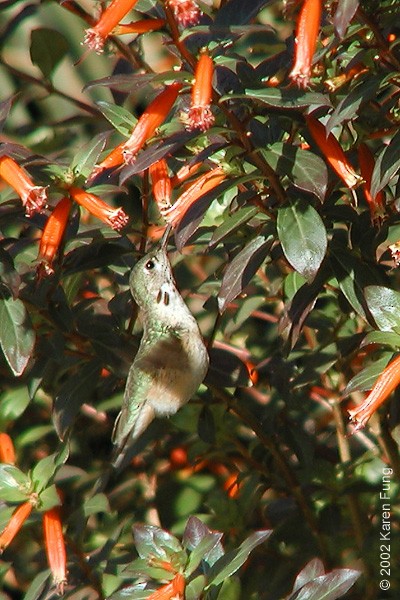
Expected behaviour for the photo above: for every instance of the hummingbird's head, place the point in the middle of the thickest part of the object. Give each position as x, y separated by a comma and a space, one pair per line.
150, 276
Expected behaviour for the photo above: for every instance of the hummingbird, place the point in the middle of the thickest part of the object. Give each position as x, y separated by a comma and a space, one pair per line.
172, 359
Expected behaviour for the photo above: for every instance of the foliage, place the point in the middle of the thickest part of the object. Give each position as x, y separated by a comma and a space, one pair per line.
288, 263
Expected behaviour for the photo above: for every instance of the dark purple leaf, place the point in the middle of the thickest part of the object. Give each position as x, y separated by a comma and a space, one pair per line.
226, 369
313, 569
194, 215
75, 391
241, 270
345, 11
349, 106
155, 152
386, 166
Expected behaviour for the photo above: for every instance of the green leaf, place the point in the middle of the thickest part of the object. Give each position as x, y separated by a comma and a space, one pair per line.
353, 275
46, 468
72, 394
48, 48
382, 337
232, 224
14, 484
49, 498
365, 379
384, 305
154, 541
119, 117
195, 587
17, 337
232, 561
386, 166
278, 98
38, 586
303, 237
202, 550
86, 157
350, 104
306, 170
13, 403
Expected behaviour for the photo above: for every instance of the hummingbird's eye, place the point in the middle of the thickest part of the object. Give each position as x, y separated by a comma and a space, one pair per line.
150, 265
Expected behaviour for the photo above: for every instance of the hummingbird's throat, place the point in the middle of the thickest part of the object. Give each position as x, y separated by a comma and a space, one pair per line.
164, 295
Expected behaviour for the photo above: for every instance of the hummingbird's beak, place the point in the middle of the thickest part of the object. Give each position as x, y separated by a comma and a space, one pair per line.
164, 239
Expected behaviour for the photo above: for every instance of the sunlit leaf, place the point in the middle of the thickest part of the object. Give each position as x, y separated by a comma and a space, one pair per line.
17, 337
303, 237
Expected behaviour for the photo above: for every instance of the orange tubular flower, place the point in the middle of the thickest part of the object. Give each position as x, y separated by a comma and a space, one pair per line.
186, 12
205, 183
55, 547
184, 173
115, 217
305, 42
174, 590
367, 164
333, 152
141, 26
161, 184
96, 36
200, 115
33, 197
387, 381
7, 452
53, 233
18, 518
154, 115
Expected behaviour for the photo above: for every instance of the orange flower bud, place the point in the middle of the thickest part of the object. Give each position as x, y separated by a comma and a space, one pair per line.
33, 197
55, 547
333, 152
154, 115
305, 42
174, 590
161, 183
96, 36
18, 518
205, 183
53, 233
7, 452
367, 164
186, 12
141, 26
200, 115
115, 217
387, 381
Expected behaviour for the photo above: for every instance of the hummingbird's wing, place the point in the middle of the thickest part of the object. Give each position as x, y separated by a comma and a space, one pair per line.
152, 386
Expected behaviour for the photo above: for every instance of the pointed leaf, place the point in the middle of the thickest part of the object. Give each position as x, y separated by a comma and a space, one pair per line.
349, 106
48, 48
328, 587
278, 98
242, 268
233, 223
46, 468
73, 394
86, 158
386, 166
232, 561
119, 117
345, 11
238, 12
365, 379
384, 305
306, 170
303, 237
313, 569
17, 337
